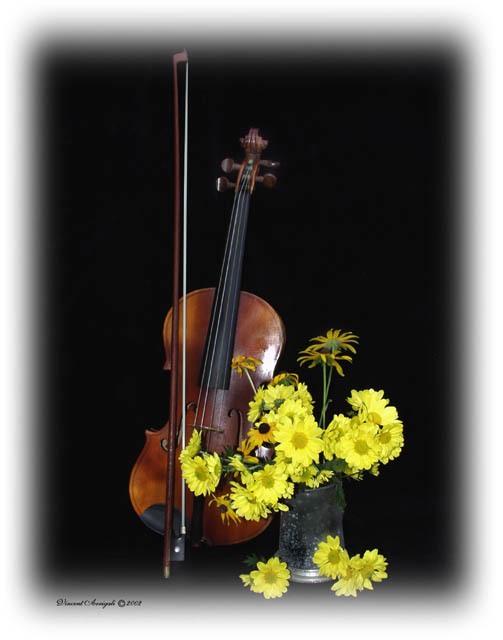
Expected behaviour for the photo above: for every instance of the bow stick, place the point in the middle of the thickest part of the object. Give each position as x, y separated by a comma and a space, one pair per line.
170, 476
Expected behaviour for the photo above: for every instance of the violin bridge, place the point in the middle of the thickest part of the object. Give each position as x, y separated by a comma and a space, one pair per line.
202, 426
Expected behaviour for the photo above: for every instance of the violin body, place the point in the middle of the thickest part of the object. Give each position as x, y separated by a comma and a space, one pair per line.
205, 394
259, 333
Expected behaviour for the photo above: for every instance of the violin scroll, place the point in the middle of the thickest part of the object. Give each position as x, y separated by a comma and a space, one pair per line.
253, 145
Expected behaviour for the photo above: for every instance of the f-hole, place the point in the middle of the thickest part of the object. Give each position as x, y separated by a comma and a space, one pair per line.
240, 423
188, 406
164, 441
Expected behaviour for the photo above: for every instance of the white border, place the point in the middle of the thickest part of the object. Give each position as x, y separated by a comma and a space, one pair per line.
478, 24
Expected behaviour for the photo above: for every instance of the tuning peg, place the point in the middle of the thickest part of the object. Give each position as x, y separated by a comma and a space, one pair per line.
268, 180
268, 163
223, 184
229, 165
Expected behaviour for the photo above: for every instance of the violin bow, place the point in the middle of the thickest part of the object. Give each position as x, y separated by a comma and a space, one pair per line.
178, 547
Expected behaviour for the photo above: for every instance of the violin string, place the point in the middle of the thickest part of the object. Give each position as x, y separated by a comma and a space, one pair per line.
210, 332
231, 270
231, 241
229, 250
233, 274
210, 329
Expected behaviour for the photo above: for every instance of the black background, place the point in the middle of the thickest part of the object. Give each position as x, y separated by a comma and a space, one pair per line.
360, 233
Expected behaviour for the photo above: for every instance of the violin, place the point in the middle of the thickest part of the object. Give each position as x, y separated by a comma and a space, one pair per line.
218, 324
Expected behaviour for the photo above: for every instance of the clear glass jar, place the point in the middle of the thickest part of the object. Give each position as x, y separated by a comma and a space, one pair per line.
313, 514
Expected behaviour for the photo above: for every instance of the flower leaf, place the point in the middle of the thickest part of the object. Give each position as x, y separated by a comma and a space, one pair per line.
252, 559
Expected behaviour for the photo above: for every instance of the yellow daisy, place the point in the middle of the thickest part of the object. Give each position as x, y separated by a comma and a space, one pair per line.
257, 405
246, 504
331, 558
202, 473
372, 567
275, 396
322, 478
360, 448
239, 468
247, 579
290, 468
304, 396
374, 469
348, 583
239, 363
300, 441
372, 406
271, 578
192, 449
279, 506
270, 484
339, 425
292, 409
305, 474
390, 437
224, 506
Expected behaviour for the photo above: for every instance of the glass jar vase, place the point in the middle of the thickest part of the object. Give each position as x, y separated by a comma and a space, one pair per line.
313, 515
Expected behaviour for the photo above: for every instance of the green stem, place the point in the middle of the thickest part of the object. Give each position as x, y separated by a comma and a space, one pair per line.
251, 381
324, 407
329, 380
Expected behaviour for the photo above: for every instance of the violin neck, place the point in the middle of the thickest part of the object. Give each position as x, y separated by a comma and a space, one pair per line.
216, 367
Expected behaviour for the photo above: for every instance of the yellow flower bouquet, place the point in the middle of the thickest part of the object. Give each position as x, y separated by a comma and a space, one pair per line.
289, 449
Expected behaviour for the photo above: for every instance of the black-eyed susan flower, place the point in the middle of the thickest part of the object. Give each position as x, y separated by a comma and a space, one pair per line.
271, 578
335, 340
240, 363
332, 559
262, 432
224, 507
285, 379
314, 355
329, 350
246, 448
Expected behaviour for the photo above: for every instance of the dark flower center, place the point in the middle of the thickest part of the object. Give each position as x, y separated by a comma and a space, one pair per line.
264, 428
222, 508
